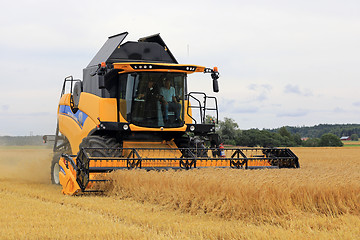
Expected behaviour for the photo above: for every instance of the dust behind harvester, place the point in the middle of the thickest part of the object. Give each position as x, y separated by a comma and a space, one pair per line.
132, 110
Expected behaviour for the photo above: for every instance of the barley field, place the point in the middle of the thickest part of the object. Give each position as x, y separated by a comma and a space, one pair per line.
321, 200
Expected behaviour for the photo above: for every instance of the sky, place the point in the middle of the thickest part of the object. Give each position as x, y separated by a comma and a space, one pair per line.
281, 63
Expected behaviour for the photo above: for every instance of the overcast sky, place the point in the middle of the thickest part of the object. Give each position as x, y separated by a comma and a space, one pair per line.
281, 62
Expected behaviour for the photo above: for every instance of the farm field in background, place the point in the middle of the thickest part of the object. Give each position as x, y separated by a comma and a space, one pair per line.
321, 200
351, 143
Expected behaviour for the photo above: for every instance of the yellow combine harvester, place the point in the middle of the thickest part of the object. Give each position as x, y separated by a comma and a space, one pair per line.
132, 110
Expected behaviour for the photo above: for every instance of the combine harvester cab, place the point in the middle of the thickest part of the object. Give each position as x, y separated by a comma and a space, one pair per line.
132, 110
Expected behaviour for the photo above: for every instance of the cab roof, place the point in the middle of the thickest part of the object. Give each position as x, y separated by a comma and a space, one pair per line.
147, 49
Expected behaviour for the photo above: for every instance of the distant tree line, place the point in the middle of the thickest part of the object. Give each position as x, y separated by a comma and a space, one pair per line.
20, 140
354, 137
230, 133
318, 130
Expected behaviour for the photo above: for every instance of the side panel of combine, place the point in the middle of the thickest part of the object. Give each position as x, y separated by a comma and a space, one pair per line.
96, 107
76, 125
73, 124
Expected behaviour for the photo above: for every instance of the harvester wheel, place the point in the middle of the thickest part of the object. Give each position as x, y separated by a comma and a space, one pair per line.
198, 144
195, 145
111, 143
55, 169
100, 145
94, 142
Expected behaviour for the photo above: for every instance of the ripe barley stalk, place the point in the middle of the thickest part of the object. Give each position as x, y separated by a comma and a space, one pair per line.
325, 185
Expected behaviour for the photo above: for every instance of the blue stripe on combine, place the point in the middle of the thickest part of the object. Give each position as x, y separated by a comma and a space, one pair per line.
79, 117
62, 170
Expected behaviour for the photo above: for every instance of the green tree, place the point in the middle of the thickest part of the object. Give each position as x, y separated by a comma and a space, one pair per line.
297, 139
228, 130
210, 119
264, 138
312, 142
354, 137
287, 139
330, 140
284, 132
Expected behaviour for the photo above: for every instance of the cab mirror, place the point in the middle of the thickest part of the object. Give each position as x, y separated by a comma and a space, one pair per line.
215, 77
215, 85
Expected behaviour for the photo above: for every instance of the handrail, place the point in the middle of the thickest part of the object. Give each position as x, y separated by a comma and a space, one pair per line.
203, 108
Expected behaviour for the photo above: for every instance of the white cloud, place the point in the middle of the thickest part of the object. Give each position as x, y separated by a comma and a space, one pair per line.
5, 107
292, 113
356, 104
289, 88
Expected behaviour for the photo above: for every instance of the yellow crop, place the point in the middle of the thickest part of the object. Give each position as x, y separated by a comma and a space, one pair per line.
321, 200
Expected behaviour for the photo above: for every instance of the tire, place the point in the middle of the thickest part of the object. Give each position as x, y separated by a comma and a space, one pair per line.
94, 142
55, 169
201, 150
111, 143
195, 144
101, 143
183, 143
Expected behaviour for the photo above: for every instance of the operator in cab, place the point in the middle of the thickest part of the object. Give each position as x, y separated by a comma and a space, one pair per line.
169, 101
